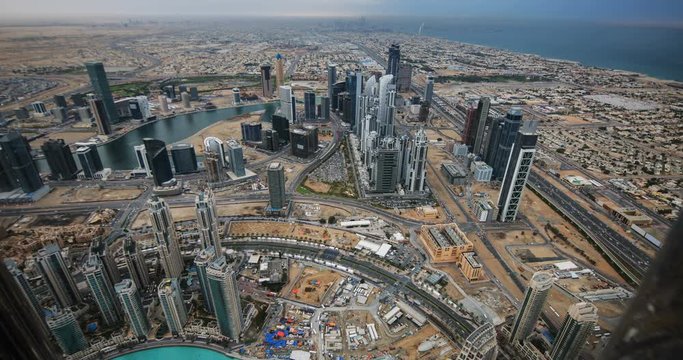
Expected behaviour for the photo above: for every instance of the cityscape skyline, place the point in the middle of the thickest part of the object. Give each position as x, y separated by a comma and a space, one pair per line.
329, 189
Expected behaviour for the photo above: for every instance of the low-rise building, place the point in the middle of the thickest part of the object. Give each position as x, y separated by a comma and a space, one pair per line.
445, 243
481, 171
470, 267
455, 175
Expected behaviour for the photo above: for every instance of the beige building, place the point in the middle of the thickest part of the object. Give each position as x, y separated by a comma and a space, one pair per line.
470, 266
445, 243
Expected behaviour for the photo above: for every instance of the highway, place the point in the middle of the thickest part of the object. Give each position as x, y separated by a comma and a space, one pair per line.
631, 260
442, 314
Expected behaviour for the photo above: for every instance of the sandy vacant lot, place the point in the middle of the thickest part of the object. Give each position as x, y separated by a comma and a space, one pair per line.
312, 285
333, 237
69, 137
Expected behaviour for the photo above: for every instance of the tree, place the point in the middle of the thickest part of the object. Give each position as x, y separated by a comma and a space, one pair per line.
332, 219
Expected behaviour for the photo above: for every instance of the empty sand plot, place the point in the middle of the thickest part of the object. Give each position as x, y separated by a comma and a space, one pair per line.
313, 284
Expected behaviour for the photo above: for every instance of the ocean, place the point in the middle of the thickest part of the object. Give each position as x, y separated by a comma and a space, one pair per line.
652, 50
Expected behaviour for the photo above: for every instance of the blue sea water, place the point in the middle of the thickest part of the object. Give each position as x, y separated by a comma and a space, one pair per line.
175, 353
653, 50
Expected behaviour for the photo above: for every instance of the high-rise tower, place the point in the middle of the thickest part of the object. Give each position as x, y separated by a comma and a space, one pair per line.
276, 186
480, 124
201, 262
171, 300
22, 332
279, 69
417, 160
499, 144
532, 305
580, 320
480, 344
225, 297
57, 276
516, 173
59, 159
132, 307
102, 290
207, 220
166, 237
309, 105
16, 164
331, 79
429, 88
394, 60
100, 84
99, 248
286, 105
158, 160
135, 261
266, 81
66, 330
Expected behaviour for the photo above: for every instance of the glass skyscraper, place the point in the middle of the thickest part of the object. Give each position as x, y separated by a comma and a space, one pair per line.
225, 297
100, 84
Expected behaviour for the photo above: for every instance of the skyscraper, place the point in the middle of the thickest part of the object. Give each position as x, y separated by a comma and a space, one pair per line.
276, 186
225, 297
89, 159
23, 336
324, 108
385, 172
132, 307
59, 100
207, 220
102, 290
501, 141
417, 160
185, 98
404, 77
171, 300
286, 105
516, 173
59, 159
100, 84
309, 105
100, 114
99, 248
532, 305
236, 96
158, 160
184, 158
470, 131
163, 103
281, 125
57, 276
279, 69
480, 124
212, 164
16, 164
354, 83
429, 88
135, 262
201, 262
266, 81
580, 320
331, 79
394, 60
387, 96
480, 344
165, 237
66, 330
24, 286
304, 141
236, 158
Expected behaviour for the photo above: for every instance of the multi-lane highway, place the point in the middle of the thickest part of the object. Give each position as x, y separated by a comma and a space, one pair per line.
629, 258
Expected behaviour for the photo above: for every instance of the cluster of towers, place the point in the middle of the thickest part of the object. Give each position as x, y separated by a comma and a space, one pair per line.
507, 145
578, 323
393, 162
120, 299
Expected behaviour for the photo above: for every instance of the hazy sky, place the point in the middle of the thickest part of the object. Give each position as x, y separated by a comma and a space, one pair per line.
669, 11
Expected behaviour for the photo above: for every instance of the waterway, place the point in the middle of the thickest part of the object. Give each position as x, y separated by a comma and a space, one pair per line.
119, 155
175, 353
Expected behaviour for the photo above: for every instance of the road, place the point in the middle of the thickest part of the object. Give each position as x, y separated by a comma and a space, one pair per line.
455, 325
